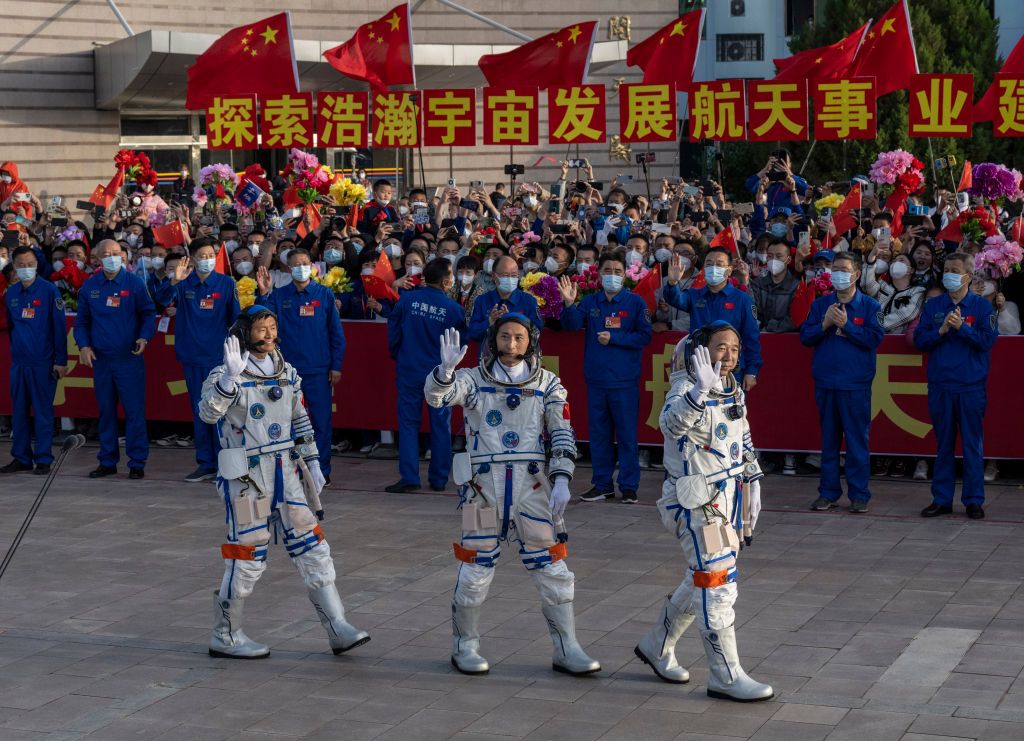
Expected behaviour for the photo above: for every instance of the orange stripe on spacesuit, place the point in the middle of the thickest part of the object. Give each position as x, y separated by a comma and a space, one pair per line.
464, 554
238, 552
709, 579
558, 551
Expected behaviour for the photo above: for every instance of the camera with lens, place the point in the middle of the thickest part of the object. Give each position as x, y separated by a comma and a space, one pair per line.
645, 157
135, 201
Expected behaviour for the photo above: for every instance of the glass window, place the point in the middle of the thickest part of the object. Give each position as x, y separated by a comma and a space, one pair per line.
155, 126
739, 47
798, 13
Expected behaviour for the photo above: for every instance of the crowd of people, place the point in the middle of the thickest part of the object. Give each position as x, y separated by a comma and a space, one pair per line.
768, 259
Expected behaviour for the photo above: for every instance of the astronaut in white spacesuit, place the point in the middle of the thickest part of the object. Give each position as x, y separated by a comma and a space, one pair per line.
711, 498
511, 403
269, 475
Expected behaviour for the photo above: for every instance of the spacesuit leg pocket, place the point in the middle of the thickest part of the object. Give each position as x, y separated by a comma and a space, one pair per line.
249, 508
232, 463
480, 532
535, 532
693, 491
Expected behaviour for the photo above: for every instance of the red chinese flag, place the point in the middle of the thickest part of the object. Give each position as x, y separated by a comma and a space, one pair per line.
800, 307
511, 116
966, 177
647, 286
951, 233
576, 115
841, 219
941, 105
286, 121
888, 52
725, 238
558, 58
169, 235
110, 192
823, 63
258, 58
222, 264
378, 285
669, 55
341, 119
98, 197
985, 109
379, 52
449, 117
777, 111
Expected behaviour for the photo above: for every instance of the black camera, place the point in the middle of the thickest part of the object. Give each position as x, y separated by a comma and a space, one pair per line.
515, 169
135, 201
645, 157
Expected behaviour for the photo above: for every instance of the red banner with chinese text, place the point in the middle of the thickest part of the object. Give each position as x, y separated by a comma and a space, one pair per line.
287, 121
449, 118
576, 115
941, 105
341, 118
777, 111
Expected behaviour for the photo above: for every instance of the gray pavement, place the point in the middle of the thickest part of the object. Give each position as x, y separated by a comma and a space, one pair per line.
870, 627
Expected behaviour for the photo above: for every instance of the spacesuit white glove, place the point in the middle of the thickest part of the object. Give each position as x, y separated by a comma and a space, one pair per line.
754, 497
316, 475
705, 374
559, 496
234, 360
452, 353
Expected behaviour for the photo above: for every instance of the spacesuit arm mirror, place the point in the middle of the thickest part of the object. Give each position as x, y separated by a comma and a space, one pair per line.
215, 401
302, 427
557, 420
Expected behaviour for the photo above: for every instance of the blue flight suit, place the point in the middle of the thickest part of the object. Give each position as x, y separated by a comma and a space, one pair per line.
612, 372
518, 301
415, 327
776, 193
112, 314
35, 320
206, 309
727, 305
843, 370
311, 339
957, 373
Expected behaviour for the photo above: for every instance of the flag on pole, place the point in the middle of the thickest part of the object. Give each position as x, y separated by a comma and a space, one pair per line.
823, 63
725, 238
888, 53
985, 109
169, 235
646, 288
557, 59
841, 219
966, 177
379, 52
258, 58
222, 265
669, 55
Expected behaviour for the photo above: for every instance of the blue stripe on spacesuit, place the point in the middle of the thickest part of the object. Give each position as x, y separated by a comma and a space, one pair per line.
506, 509
278, 480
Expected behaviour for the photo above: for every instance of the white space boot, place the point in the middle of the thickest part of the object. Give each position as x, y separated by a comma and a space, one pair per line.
341, 634
228, 640
726, 678
466, 640
657, 648
569, 657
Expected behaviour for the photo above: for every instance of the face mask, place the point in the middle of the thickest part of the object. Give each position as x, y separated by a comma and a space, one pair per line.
952, 281
300, 273
582, 267
6, 178
366, 271
3, 263
414, 270
489, 265
881, 266
394, 250
899, 270
403, 210
332, 256
776, 266
779, 230
243, 268
58, 265
132, 239
112, 264
988, 288
507, 284
419, 204
26, 274
530, 202
156, 263
617, 207
841, 280
231, 245
383, 201
357, 246
206, 266
184, 173
466, 279
687, 262
284, 256
612, 283
551, 265
761, 257
529, 266
633, 257
79, 263
714, 274
662, 254
452, 259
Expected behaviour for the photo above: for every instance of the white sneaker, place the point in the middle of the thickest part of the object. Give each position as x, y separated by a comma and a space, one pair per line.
166, 442
185, 441
367, 449
789, 465
921, 470
813, 460
991, 471
645, 459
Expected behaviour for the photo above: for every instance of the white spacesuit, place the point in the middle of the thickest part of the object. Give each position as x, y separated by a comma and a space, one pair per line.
269, 474
710, 500
511, 404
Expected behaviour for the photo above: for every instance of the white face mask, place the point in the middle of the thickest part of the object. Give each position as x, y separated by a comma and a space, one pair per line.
231, 245
366, 271
414, 270
633, 257
761, 257
987, 288
301, 273
58, 265
132, 239
551, 265
529, 266
394, 250
662, 254
776, 266
582, 267
899, 270
466, 279
530, 202
243, 268
3, 263
403, 210
6, 178
881, 266
687, 262
489, 265
156, 263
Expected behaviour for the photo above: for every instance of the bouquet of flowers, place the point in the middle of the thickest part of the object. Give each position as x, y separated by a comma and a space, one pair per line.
347, 193
995, 183
890, 166
481, 246
216, 187
526, 238
634, 274
999, 257
70, 233
822, 284
134, 165
977, 223
307, 176
246, 292
832, 201
587, 282
544, 288
337, 280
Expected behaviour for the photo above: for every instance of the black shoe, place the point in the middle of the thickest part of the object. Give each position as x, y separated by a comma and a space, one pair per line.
327, 481
859, 506
15, 467
41, 469
934, 510
200, 474
628, 497
975, 512
437, 488
400, 488
136, 473
102, 471
822, 505
596, 495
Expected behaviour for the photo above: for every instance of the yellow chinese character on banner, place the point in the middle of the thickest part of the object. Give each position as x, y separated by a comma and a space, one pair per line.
510, 118
844, 109
940, 106
717, 112
781, 100
883, 390
396, 121
448, 113
344, 121
659, 384
648, 113
1010, 116
287, 122
231, 123
580, 106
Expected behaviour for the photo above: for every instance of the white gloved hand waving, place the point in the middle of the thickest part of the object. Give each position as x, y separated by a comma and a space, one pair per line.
234, 359
316, 475
559, 496
705, 374
754, 497
452, 353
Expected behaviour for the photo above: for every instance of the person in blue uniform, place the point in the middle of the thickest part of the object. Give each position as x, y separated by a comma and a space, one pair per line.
415, 327
504, 299
311, 340
618, 328
207, 304
957, 330
39, 356
116, 320
845, 332
718, 302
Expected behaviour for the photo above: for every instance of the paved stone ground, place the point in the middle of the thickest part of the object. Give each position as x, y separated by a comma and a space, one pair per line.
872, 627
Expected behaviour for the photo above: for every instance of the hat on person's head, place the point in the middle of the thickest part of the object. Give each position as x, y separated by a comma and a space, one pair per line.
825, 255
781, 211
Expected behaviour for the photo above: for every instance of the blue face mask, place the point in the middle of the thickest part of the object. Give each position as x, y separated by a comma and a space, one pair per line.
612, 283
300, 273
206, 266
779, 230
841, 280
952, 281
332, 256
26, 274
112, 264
357, 246
507, 284
714, 274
